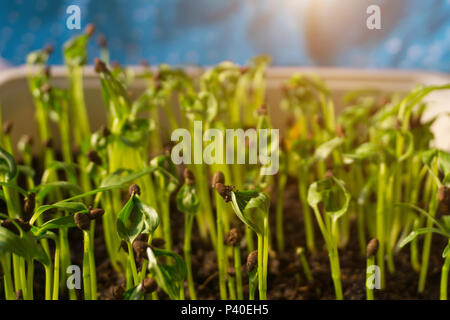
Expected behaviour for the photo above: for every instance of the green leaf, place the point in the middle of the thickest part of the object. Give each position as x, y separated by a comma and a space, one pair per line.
446, 251
14, 186
71, 207
420, 210
444, 162
364, 151
53, 167
332, 193
150, 216
134, 133
242, 203
117, 177
166, 174
130, 222
134, 293
415, 233
136, 217
25, 246
58, 223
170, 277
187, 199
253, 280
324, 150
8, 159
75, 51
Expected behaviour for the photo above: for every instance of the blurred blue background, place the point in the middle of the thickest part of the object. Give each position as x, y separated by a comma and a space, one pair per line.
415, 34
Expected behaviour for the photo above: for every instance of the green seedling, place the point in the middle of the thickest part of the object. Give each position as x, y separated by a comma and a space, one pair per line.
188, 202
252, 208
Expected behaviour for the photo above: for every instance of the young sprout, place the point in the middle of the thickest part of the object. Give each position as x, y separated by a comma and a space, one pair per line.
252, 208
304, 262
371, 252
188, 202
84, 222
218, 179
233, 240
330, 200
252, 271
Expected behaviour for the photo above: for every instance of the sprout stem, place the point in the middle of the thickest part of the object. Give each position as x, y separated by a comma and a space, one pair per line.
444, 277
189, 218
237, 267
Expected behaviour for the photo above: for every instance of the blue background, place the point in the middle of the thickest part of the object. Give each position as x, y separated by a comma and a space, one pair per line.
415, 33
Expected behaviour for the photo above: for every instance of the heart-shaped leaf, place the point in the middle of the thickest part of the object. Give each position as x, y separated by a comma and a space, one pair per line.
187, 199
170, 277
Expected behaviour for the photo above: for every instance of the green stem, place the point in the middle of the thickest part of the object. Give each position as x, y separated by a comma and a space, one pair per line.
369, 289
380, 220
56, 272
279, 211
189, 218
444, 277
132, 264
86, 268
428, 237
307, 219
92, 270
220, 248
30, 273
237, 268
7, 279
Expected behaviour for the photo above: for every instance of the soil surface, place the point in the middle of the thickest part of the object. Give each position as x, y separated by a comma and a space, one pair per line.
286, 279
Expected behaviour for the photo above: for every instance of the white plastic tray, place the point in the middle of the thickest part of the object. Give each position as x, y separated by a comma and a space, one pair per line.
17, 106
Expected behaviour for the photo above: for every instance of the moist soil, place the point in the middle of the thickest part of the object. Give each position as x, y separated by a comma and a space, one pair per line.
286, 280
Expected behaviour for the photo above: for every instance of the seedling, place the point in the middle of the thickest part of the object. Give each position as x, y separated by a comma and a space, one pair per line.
242, 203
329, 200
188, 203
372, 248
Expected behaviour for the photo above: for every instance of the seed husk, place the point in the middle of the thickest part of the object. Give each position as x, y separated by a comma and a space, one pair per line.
27, 140
94, 157
233, 237
96, 213
224, 191
142, 237
444, 194
372, 247
7, 127
252, 260
100, 66
134, 190
189, 176
328, 174
218, 177
48, 49
47, 71
105, 131
118, 292
101, 40
82, 220
262, 110
340, 131
149, 285
140, 248
90, 29
46, 88
48, 143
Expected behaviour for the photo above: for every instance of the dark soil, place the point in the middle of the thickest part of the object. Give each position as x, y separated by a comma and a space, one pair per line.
286, 278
